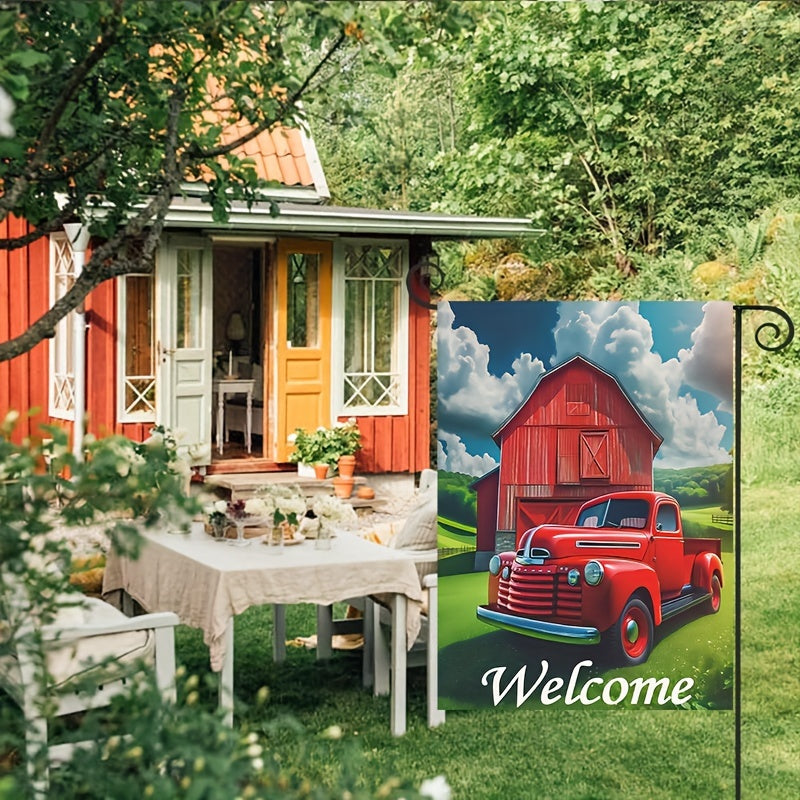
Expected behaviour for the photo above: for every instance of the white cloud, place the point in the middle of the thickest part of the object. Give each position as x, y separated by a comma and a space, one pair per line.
618, 339
470, 396
453, 456
708, 365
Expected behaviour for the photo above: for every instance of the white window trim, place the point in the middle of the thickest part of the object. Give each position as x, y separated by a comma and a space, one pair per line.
55, 411
338, 333
123, 415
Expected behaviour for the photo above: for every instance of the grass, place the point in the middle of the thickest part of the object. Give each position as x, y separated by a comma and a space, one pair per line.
452, 535
574, 754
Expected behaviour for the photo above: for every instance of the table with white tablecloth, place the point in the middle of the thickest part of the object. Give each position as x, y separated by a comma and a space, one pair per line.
207, 583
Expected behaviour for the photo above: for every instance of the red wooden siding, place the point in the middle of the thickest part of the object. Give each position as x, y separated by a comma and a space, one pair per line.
402, 443
486, 490
576, 436
24, 295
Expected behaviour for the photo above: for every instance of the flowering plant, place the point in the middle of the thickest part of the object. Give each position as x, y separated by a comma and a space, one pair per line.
283, 502
325, 445
332, 511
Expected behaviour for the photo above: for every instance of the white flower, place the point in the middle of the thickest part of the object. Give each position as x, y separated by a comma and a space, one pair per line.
291, 438
291, 505
221, 506
256, 507
436, 788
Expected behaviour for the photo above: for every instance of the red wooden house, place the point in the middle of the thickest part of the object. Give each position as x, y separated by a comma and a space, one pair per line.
576, 436
311, 308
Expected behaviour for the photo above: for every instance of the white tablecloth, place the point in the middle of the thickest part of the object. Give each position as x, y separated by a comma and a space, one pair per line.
206, 582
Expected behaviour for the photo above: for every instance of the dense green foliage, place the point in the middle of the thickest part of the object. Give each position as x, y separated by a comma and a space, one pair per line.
457, 501
119, 103
697, 486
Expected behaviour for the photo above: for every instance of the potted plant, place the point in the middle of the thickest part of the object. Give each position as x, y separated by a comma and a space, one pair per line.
327, 446
309, 449
345, 441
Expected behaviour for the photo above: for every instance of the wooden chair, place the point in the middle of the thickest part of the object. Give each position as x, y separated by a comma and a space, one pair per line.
91, 642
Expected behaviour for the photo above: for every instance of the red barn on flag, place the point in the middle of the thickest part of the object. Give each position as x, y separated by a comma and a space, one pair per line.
577, 435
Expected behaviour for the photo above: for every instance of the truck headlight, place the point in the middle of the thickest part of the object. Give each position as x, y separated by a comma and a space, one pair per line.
593, 573
494, 564
573, 576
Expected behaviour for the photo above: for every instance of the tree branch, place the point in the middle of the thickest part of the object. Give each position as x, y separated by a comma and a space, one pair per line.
78, 75
105, 262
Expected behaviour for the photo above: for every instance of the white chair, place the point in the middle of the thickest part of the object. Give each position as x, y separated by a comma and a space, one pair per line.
416, 537
425, 650
91, 642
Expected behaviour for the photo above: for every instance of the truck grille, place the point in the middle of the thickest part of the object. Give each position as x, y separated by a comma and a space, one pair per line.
540, 594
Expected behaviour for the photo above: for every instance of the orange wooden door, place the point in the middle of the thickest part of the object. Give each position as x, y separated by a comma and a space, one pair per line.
303, 338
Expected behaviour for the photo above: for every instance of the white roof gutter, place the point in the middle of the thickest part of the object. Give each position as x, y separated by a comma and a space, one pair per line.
189, 212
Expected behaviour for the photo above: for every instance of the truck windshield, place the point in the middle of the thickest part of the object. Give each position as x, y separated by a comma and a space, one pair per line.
615, 514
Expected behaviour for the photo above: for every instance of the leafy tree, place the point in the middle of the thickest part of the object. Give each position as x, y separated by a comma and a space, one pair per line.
118, 102
630, 126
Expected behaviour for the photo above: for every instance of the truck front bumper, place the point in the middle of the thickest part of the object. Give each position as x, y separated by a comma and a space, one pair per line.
551, 631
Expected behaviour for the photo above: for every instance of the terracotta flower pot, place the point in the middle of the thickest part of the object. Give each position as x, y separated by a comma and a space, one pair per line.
343, 487
321, 471
347, 466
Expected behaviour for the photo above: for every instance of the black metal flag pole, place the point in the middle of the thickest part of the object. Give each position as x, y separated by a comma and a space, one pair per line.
778, 342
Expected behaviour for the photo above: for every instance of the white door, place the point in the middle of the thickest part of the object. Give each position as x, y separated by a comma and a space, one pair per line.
184, 278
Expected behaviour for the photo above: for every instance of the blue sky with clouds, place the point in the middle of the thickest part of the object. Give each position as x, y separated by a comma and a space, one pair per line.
674, 359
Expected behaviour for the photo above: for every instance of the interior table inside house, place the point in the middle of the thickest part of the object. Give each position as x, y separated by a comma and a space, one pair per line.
207, 582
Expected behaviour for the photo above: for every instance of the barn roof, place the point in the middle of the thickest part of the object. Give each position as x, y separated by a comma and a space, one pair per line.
546, 377
482, 478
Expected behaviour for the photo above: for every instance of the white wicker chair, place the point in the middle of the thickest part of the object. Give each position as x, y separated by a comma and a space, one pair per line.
92, 643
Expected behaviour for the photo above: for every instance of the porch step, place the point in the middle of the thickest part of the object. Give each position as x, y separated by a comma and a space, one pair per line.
240, 486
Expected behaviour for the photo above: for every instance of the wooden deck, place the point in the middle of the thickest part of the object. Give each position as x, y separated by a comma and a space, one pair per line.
238, 486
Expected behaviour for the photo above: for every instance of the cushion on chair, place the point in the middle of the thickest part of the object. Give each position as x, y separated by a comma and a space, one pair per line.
112, 653
419, 530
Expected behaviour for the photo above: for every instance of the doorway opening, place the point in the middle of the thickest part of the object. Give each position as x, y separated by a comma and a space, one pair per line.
239, 347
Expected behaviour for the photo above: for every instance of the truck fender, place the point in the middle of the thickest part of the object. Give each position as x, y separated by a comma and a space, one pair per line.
705, 565
627, 578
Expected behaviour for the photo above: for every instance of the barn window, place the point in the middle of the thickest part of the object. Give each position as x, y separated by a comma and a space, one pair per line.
593, 448
372, 361
136, 392
62, 376
582, 455
577, 399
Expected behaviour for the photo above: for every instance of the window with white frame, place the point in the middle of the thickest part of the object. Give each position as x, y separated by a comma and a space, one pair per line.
61, 386
374, 340
136, 389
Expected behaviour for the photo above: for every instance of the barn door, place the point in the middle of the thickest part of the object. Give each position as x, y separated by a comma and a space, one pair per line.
593, 447
184, 350
582, 455
303, 346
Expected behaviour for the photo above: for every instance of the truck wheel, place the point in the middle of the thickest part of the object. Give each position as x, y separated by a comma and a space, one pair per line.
631, 637
716, 595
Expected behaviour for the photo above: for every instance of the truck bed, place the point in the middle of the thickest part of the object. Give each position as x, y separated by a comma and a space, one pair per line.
691, 547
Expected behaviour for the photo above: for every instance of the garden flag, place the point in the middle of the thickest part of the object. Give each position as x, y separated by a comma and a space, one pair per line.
585, 504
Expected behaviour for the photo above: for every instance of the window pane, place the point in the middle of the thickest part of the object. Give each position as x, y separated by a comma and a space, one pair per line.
357, 327
139, 378
62, 379
387, 300
373, 296
303, 312
188, 311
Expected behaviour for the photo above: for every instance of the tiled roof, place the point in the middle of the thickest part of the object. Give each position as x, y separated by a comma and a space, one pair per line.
280, 153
